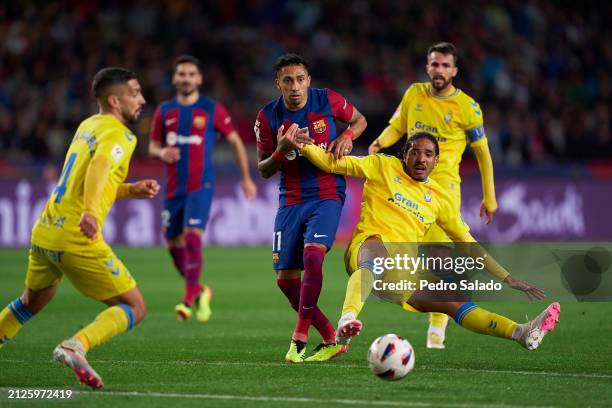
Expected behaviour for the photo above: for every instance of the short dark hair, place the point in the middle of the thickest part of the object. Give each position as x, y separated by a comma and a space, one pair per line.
444, 48
187, 59
421, 135
108, 77
289, 59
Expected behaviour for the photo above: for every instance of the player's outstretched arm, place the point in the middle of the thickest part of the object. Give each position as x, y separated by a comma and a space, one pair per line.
485, 164
249, 188
452, 223
351, 166
475, 251
388, 137
344, 143
139, 190
532, 292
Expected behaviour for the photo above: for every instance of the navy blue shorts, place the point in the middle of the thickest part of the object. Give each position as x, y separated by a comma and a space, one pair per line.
188, 211
300, 224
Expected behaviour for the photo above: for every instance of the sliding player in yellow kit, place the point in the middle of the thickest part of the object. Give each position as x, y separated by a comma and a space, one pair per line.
399, 204
454, 118
67, 238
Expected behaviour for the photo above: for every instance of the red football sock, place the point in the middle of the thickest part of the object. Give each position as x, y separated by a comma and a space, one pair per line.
311, 288
193, 267
291, 289
179, 257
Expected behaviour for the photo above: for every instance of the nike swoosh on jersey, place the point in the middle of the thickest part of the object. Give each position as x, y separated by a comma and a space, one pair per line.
170, 121
193, 221
319, 236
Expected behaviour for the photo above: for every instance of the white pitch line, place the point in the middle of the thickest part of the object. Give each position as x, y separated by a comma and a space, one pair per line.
546, 373
306, 400
332, 365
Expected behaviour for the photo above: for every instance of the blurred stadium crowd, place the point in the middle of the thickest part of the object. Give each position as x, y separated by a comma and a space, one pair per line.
540, 69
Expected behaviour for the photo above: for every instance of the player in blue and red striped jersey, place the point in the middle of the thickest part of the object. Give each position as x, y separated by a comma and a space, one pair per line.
183, 136
310, 199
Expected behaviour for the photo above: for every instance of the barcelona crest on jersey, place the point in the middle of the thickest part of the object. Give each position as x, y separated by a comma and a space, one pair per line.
319, 126
199, 122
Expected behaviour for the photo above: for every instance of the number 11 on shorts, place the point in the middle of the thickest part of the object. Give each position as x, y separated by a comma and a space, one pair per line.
276, 241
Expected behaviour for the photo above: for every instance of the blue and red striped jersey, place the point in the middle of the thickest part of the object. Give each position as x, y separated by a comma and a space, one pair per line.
191, 128
300, 180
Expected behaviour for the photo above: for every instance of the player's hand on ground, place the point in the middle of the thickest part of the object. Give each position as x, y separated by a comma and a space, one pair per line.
250, 189
170, 154
144, 189
89, 225
343, 145
487, 212
375, 147
532, 292
286, 139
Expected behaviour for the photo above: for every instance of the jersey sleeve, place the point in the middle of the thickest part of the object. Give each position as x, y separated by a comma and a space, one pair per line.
399, 120
222, 120
474, 123
450, 220
157, 126
352, 166
341, 109
263, 134
114, 145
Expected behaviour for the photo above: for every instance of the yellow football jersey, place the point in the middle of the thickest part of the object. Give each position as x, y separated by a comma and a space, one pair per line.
394, 205
58, 225
453, 120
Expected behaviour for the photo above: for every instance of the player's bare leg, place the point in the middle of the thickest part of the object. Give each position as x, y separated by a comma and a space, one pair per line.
124, 312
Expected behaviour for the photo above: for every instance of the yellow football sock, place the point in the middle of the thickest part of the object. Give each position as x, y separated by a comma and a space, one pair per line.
9, 326
109, 323
438, 320
12, 319
482, 321
358, 289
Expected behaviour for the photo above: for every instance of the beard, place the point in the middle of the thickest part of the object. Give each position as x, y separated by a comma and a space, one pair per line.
444, 84
187, 90
130, 118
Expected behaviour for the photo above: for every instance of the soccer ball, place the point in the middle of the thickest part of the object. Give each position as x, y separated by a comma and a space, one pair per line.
391, 357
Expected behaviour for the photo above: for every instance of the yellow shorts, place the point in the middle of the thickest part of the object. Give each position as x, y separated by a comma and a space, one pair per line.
351, 255
98, 273
351, 262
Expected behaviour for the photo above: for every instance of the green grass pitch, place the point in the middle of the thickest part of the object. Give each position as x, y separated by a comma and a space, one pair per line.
237, 358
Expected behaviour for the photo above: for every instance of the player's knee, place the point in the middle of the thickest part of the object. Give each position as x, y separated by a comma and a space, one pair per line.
140, 310
194, 231
141, 313
285, 274
138, 307
193, 240
178, 241
313, 255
